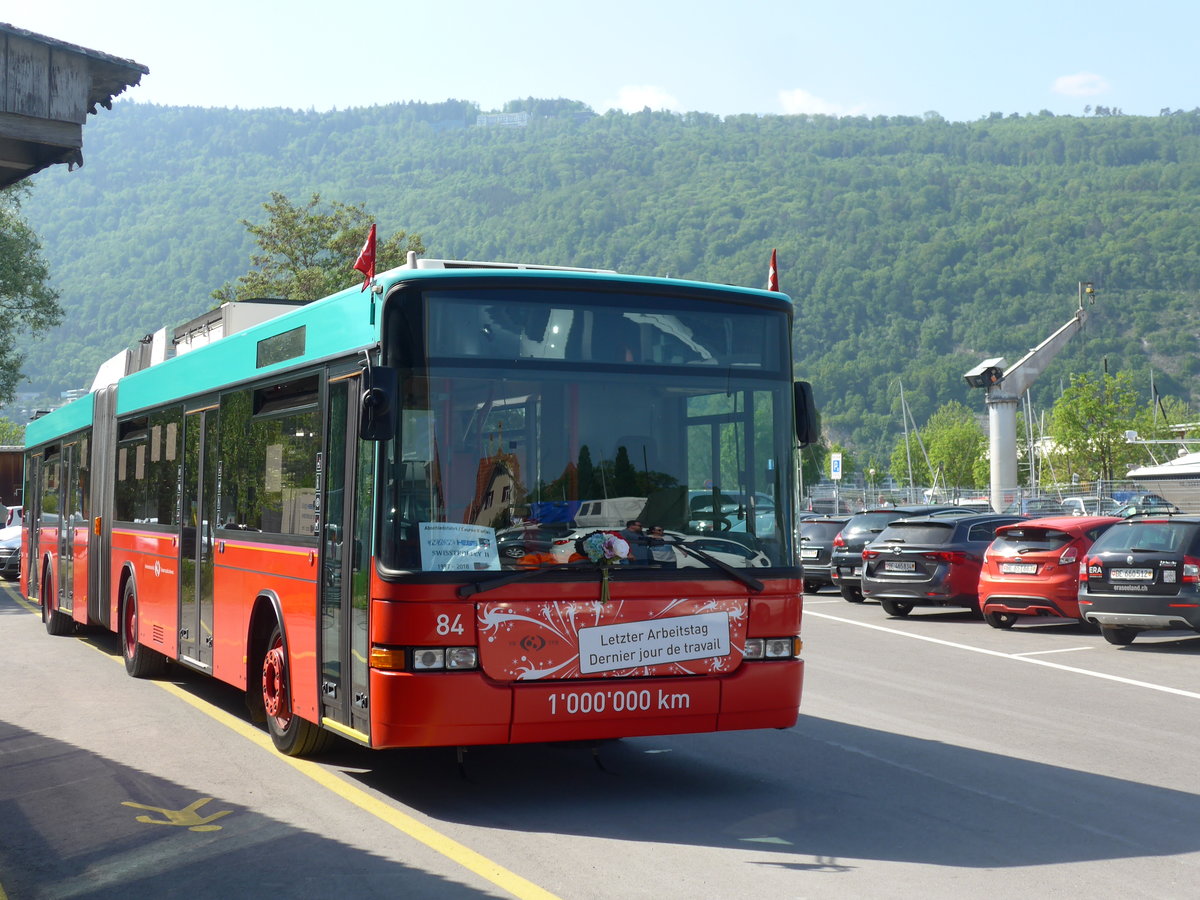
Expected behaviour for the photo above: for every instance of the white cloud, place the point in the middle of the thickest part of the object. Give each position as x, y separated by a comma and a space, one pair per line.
636, 97
1081, 84
800, 102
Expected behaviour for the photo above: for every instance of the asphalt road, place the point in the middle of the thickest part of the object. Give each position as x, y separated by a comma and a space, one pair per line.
935, 757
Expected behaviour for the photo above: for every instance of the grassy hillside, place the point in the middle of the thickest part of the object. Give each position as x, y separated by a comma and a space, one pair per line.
913, 248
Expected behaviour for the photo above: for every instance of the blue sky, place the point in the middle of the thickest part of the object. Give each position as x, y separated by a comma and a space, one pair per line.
961, 59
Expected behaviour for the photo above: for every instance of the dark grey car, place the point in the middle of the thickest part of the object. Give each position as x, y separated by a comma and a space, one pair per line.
860, 529
929, 561
1143, 575
816, 548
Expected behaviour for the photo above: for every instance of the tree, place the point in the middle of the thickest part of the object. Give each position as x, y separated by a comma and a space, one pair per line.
28, 306
1088, 425
11, 434
307, 254
625, 476
954, 442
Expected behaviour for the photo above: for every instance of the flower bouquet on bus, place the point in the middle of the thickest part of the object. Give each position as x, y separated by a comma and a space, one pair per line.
605, 549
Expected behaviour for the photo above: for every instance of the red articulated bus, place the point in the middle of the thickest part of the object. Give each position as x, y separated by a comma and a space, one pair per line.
307, 502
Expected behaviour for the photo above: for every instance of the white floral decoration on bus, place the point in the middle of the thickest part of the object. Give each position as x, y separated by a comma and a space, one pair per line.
605, 549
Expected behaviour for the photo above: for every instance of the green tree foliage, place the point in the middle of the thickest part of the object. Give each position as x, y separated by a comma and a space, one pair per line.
307, 254
11, 434
948, 449
954, 441
625, 476
1088, 425
914, 247
28, 305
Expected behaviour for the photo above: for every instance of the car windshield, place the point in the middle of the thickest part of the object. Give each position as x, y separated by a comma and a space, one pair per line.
593, 408
921, 533
1025, 540
1156, 537
863, 522
819, 531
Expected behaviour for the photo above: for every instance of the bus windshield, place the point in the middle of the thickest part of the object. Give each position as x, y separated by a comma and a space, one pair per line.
530, 418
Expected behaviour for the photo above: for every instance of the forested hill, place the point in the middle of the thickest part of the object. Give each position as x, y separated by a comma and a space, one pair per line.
913, 247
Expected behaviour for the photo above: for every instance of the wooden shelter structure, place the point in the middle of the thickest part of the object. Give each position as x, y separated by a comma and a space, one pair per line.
47, 89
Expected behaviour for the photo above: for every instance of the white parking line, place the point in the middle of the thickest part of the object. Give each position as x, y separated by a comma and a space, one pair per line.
1063, 650
1025, 659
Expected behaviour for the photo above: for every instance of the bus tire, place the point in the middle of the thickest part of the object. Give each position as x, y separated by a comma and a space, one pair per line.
140, 660
57, 622
292, 735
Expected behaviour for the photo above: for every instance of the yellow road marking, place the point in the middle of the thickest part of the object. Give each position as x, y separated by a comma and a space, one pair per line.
418, 831
33, 609
188, 817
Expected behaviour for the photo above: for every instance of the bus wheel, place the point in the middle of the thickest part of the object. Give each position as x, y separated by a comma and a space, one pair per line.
292, 735
140, 660
57, 622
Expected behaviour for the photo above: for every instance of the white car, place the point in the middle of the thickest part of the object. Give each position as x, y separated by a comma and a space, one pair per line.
10, 552
729, 552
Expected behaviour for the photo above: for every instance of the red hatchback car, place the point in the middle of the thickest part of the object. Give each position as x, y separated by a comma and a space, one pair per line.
1032, 568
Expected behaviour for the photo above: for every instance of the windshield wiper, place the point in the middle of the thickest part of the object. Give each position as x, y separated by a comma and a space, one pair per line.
736, 574
479, 587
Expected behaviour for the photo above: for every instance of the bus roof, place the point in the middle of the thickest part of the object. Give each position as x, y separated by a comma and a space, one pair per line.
334, 326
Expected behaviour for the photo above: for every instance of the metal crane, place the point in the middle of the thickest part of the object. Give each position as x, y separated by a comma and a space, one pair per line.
1004, 390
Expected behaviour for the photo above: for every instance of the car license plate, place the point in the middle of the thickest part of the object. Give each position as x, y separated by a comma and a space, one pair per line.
1130, 574
899, 566
1018, 568
809, 554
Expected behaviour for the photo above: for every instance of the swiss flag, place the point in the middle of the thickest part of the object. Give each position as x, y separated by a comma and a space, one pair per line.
366, 260
772, 274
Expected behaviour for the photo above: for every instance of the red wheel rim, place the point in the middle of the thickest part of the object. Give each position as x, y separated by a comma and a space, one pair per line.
274, 685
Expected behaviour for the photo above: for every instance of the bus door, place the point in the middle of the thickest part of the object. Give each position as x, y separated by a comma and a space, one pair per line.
77, 519
31, 567
69, 522
197, 518
346, 491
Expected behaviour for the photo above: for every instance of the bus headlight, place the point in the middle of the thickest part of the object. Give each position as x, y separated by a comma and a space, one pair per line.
425, 659
462, 658
429, 658
772, 648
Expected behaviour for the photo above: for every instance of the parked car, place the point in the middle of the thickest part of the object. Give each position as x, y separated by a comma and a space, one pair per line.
729, 552
846, 554
1143, 574
1032, 568
1147, 508
929, 561
1036, 507
10, 552
521, 540
816, 547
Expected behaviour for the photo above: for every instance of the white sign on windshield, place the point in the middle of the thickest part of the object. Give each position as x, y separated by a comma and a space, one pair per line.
450, 547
